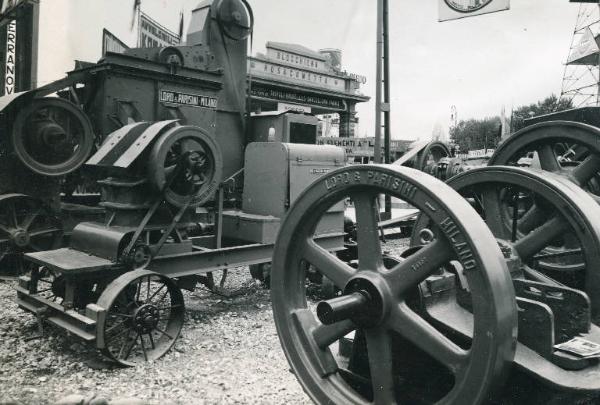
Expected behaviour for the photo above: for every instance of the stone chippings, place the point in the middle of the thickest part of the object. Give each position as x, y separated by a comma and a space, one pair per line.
228, 353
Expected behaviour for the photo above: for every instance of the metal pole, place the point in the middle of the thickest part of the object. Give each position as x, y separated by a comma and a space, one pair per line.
386, 97
377, 147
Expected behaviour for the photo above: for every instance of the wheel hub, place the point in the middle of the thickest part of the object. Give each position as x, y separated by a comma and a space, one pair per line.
20, 237
146, 318
365, 301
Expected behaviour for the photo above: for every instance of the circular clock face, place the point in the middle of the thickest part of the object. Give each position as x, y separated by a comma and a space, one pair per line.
467, 6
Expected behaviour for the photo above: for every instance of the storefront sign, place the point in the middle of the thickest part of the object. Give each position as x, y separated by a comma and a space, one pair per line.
186, 99
329, 103
360, 146
293, 107
111, 43
11, 46
294, 59
454, 9
154, 35
299, 76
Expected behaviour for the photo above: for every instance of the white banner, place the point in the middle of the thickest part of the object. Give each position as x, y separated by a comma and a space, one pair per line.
455, 9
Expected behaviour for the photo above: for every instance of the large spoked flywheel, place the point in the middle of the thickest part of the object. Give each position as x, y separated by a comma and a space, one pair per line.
144, 316
551, 224
52, 136
186, 165
571, 149
377, 302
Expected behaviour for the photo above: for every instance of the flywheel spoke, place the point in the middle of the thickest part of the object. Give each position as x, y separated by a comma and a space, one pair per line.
367, 219
547, 158
586, 170
533, 218
323, 335
327, 264
541, 237
407, 323
379, 348
420, 265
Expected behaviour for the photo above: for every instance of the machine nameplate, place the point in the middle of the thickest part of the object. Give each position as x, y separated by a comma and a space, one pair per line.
187, 99
389, 181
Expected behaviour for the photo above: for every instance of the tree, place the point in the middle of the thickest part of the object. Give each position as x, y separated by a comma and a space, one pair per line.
476, 134
485, 133
546, 106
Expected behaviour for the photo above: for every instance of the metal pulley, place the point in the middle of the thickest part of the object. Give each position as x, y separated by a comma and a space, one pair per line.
235, 19
185, 163
376, 301
52, 136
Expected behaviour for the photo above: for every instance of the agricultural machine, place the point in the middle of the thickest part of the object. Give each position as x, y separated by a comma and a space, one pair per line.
141, 175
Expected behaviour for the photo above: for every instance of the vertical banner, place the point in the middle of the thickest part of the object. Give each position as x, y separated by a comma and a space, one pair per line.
455, 9
10, 65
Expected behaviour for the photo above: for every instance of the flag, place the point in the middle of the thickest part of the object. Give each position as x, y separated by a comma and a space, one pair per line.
181, 25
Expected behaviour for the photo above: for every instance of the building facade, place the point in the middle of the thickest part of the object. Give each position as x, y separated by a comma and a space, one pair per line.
291, 76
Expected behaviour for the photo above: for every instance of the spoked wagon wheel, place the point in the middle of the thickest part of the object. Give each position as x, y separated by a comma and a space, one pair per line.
377, 302
26, 225
144, 316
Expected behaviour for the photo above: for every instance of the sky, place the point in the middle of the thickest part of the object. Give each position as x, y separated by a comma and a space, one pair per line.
478, 64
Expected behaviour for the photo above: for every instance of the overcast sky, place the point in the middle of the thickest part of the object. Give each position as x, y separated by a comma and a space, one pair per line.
479, 64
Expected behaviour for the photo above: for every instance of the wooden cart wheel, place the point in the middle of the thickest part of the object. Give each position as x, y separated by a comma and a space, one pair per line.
375, 300
144, 316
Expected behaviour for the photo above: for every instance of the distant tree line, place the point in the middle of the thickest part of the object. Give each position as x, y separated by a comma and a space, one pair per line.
485, 133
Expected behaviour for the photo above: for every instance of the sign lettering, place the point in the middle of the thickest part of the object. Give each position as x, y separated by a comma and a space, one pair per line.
453, 233
191, 100
11, 45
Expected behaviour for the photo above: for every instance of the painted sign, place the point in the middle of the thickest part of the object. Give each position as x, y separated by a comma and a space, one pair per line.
293, 107
154, 35
110, 43
186, 99
454, 9
583, 53
11, 46
291, 96
360, 146
294, 59
286, 73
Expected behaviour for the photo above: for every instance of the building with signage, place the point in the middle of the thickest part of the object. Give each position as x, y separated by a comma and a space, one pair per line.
50, 35
293, 77
45, 37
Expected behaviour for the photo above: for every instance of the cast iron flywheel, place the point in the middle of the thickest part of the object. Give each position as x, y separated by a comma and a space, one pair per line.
550, 223
571, 149
376, 302
52, 136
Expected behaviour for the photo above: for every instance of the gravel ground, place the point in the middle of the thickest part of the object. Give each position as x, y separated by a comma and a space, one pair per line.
228, 353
